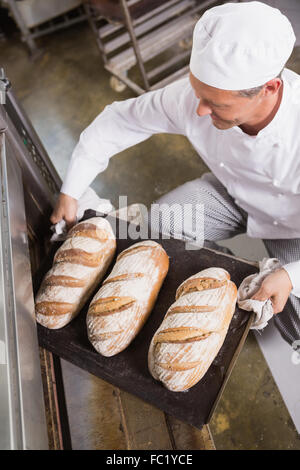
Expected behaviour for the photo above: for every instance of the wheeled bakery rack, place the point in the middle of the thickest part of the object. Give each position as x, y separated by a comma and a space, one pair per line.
155, 36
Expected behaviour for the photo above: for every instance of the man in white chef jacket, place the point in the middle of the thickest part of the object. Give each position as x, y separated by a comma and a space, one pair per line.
239, 107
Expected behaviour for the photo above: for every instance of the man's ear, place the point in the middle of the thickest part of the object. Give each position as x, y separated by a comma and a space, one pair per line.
272, 86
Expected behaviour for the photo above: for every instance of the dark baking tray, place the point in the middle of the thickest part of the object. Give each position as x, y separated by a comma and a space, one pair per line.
129, 370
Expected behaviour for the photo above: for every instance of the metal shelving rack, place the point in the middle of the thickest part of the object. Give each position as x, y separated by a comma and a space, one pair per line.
36, 18
136, 41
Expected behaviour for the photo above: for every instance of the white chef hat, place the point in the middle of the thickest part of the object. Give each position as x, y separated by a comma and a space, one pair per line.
240, 45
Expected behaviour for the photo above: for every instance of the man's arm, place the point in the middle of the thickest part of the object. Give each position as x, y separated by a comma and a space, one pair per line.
120, 126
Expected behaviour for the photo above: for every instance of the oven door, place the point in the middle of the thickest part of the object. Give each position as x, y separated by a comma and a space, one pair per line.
26, 199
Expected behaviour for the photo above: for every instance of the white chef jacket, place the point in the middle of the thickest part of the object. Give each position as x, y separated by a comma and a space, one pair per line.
261, 173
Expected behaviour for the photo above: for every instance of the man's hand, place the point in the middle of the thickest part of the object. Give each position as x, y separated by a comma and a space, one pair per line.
277, 287
65, 208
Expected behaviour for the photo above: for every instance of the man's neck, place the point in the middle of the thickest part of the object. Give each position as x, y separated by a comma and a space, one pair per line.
267, 116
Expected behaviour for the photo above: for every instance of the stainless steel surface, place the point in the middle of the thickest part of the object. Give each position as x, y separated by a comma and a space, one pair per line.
6, 433
28, 182
25, 414
15, 12
36, 12
29, 15
36, 166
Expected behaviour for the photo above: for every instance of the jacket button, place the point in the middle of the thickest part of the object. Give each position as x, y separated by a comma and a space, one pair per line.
275, 222
221, 164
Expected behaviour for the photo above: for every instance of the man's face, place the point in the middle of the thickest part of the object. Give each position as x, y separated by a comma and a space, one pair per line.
226, 108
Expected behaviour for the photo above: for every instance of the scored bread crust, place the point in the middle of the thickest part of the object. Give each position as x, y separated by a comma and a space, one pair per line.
78, 266
193, 329
122, 305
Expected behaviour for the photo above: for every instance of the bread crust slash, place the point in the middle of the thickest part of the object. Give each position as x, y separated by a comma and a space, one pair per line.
127, 296
79, 265
193, 329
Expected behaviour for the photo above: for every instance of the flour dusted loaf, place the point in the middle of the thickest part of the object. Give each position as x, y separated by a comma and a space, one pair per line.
79, 265
122, 305
193, 329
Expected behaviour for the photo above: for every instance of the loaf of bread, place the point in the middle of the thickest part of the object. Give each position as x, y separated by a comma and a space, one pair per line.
79, 265
122, 305
193, 329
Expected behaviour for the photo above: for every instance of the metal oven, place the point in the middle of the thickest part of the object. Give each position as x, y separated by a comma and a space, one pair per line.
28, 187
33, 407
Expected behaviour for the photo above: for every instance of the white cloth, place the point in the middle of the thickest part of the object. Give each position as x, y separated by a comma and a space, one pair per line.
240, 45
261, 173
89, 200
250, 285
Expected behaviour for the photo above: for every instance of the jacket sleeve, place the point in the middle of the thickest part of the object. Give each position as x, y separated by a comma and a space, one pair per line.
293, 270
120, 126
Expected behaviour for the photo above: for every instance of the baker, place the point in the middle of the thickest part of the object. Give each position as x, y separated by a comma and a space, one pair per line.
239, 108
